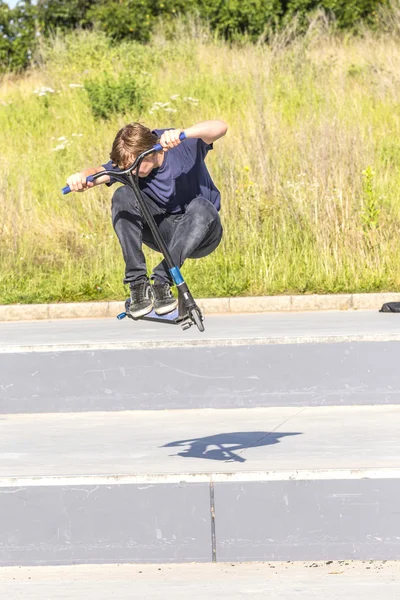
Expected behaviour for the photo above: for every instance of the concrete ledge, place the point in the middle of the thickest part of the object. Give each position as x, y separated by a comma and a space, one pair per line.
260, 304
21, 312
79, 310
200, 522
215, 305
318, 302
248, 304
371, 301
72, 379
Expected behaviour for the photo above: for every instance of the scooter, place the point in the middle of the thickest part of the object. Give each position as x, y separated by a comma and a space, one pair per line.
187, 313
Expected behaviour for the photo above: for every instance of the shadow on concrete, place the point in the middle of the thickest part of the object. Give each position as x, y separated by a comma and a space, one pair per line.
224, 446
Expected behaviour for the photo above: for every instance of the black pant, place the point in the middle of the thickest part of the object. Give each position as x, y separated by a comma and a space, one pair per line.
192, 234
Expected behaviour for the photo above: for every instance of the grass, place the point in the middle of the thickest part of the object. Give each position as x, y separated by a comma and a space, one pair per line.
308, 172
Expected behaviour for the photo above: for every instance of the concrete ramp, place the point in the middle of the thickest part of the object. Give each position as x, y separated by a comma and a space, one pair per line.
200, 485
265, 441
251, 376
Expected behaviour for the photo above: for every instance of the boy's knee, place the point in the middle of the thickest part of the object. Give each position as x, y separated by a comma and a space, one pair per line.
204, 210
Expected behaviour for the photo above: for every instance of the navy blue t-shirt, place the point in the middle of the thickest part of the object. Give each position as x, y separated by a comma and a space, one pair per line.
182, 177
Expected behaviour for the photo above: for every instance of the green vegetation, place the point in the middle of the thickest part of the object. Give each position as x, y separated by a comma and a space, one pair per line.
22, 27
308, 172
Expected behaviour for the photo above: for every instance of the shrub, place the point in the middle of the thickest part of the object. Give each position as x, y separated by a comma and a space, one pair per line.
347, 13
17, 35
108, 97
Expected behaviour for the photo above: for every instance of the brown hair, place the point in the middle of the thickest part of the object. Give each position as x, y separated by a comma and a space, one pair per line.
130, 141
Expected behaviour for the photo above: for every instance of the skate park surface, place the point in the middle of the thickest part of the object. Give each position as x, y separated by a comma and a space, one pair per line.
269, 438
334, 580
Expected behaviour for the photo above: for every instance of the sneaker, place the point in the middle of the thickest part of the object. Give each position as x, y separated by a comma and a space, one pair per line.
164, 301
141, 298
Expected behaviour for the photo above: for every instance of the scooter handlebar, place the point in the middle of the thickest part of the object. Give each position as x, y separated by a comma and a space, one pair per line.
67, 189
156, 148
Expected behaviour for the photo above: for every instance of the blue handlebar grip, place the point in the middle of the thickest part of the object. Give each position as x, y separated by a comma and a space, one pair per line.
158, 147
67, 189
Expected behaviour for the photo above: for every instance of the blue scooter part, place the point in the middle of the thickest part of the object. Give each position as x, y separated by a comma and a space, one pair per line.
158, 147
67, 189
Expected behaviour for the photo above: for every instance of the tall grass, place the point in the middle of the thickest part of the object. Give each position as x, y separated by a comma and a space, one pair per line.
308, 172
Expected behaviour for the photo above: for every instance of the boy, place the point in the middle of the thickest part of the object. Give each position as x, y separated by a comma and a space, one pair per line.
181, 195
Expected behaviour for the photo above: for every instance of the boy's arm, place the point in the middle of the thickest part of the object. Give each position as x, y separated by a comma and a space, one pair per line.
208, 131
77, 182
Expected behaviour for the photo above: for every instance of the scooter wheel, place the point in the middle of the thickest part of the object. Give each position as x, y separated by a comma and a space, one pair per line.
197, 318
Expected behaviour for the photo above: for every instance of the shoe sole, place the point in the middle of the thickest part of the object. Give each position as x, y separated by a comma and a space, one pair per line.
142, 312
166, 309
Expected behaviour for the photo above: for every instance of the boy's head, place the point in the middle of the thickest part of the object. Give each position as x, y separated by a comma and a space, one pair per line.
130, 141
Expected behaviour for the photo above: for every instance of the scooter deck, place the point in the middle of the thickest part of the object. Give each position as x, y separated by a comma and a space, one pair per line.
171, 317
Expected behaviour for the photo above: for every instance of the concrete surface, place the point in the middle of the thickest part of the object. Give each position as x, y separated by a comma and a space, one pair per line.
282, 581
92, 482
81, 523
153, 442
222, 330
249, 304
205, 377
303, 359
200, 485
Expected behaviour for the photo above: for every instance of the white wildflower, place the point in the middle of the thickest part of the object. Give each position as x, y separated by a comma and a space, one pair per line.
75, 85
63, 146
164, 105
175, 96
43, 91
170, 110
77, 134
